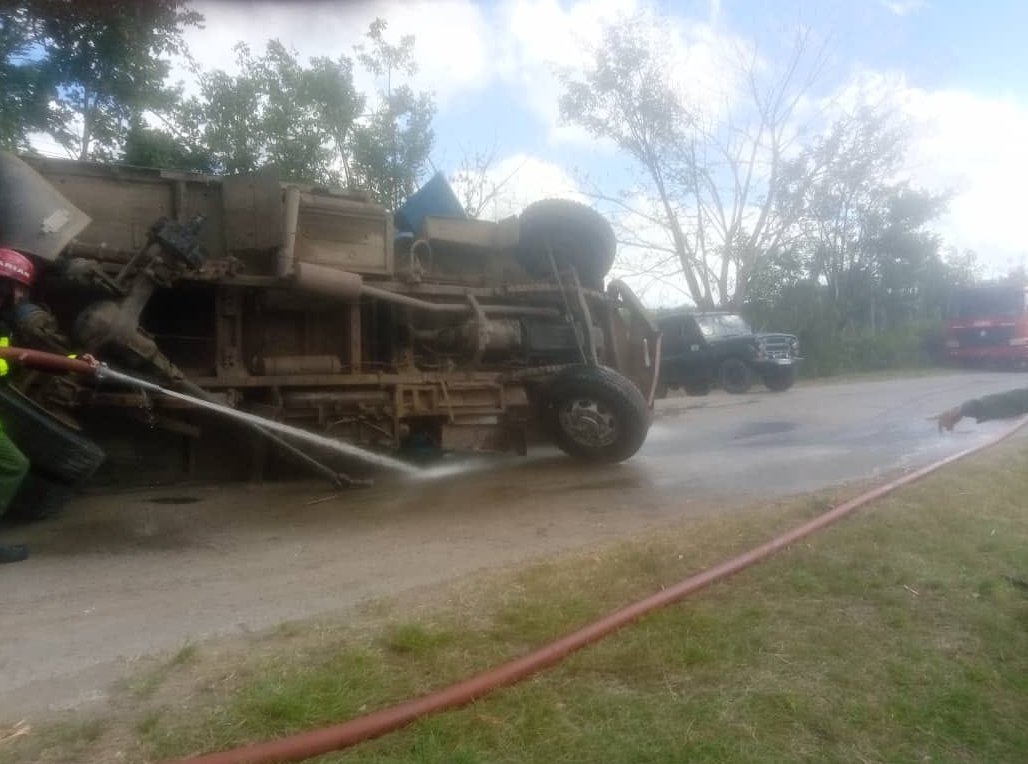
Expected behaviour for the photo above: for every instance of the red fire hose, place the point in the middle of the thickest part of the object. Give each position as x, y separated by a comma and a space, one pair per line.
337, 737
320, 741
37, 359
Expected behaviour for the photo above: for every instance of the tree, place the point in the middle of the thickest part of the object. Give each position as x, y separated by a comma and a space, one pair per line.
310, 121
97, 65
390, 149
24, 82
152, 147
476, 184
710, 178
275, 111
861, 231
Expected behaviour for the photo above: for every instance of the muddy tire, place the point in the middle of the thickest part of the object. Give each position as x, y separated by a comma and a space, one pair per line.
595, 414
697, 388
579, 236
53, 448
781, 379
735, 376
37, 499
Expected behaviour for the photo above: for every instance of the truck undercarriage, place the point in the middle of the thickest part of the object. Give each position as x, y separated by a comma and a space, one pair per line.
302, 305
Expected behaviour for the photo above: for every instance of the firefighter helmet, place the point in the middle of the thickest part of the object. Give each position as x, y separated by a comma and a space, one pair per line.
17, 267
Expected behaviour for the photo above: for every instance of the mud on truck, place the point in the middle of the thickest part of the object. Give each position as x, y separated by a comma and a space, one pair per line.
318, 308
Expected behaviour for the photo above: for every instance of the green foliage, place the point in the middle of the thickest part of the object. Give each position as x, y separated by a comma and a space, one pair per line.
82, 70
275, 111
310, 121
390, 148
25, 83
150, 147
93, 76
833, 344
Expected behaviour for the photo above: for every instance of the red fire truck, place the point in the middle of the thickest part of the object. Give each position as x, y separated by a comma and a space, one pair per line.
988, 324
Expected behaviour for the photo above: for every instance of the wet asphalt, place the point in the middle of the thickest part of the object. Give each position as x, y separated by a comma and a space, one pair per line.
120, 577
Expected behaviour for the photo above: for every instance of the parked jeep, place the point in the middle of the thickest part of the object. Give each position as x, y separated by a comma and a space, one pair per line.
700, 350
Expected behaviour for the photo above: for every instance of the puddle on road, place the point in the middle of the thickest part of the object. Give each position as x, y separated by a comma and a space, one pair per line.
754, 429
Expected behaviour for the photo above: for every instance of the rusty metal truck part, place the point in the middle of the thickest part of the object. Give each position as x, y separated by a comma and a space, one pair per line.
34, 359
300, 303
34, 216
306, 745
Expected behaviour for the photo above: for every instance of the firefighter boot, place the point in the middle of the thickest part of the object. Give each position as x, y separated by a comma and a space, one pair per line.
13, 553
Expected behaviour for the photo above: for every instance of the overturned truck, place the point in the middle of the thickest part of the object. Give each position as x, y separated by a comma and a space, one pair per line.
320, 308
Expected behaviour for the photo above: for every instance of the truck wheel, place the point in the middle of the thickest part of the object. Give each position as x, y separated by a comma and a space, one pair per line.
735, 376
37, 499
579, 236
781, 379
697, 388
53, 448
595, 414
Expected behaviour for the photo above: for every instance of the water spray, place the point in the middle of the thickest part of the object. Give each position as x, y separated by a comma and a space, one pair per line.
36, 359
105, 373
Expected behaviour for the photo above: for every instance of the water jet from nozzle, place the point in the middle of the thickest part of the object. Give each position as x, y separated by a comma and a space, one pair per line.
105, 373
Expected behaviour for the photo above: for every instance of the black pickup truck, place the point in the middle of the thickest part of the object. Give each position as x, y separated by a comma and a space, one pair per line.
700, 350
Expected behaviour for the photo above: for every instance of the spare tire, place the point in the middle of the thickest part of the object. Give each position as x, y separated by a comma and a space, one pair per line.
579, 236
38, 498
53, 448
595, 414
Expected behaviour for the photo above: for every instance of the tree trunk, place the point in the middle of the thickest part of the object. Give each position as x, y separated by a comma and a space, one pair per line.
87, 127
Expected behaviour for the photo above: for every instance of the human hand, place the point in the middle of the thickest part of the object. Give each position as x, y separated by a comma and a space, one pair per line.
947, 419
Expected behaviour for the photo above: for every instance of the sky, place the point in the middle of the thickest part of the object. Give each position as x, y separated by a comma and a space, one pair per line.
956, 70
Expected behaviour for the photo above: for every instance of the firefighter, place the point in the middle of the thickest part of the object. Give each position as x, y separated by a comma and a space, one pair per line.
999, 406
16, 275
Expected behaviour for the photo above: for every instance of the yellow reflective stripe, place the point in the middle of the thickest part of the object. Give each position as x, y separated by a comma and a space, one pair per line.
5, 368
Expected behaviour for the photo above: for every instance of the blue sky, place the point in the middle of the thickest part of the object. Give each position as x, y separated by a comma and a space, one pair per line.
957, 70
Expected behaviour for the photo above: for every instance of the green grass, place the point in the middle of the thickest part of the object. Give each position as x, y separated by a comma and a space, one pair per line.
900, 635
144, 683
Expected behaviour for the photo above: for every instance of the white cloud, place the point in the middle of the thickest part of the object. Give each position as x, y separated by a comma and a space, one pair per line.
452, 37
521, 179
976, 147
542, 37
545, 37
904, 7
970, 145
463, 47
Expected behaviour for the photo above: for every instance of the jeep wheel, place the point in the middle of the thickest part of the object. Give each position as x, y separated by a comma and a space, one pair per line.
780, 379
578, 235
735, 376
697, 388
595, 414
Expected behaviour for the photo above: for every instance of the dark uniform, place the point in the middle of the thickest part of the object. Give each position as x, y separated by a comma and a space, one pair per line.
999, 406
13, 463
16, 275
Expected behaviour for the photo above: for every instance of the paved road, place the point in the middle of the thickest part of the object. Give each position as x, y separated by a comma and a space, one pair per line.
123, 576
